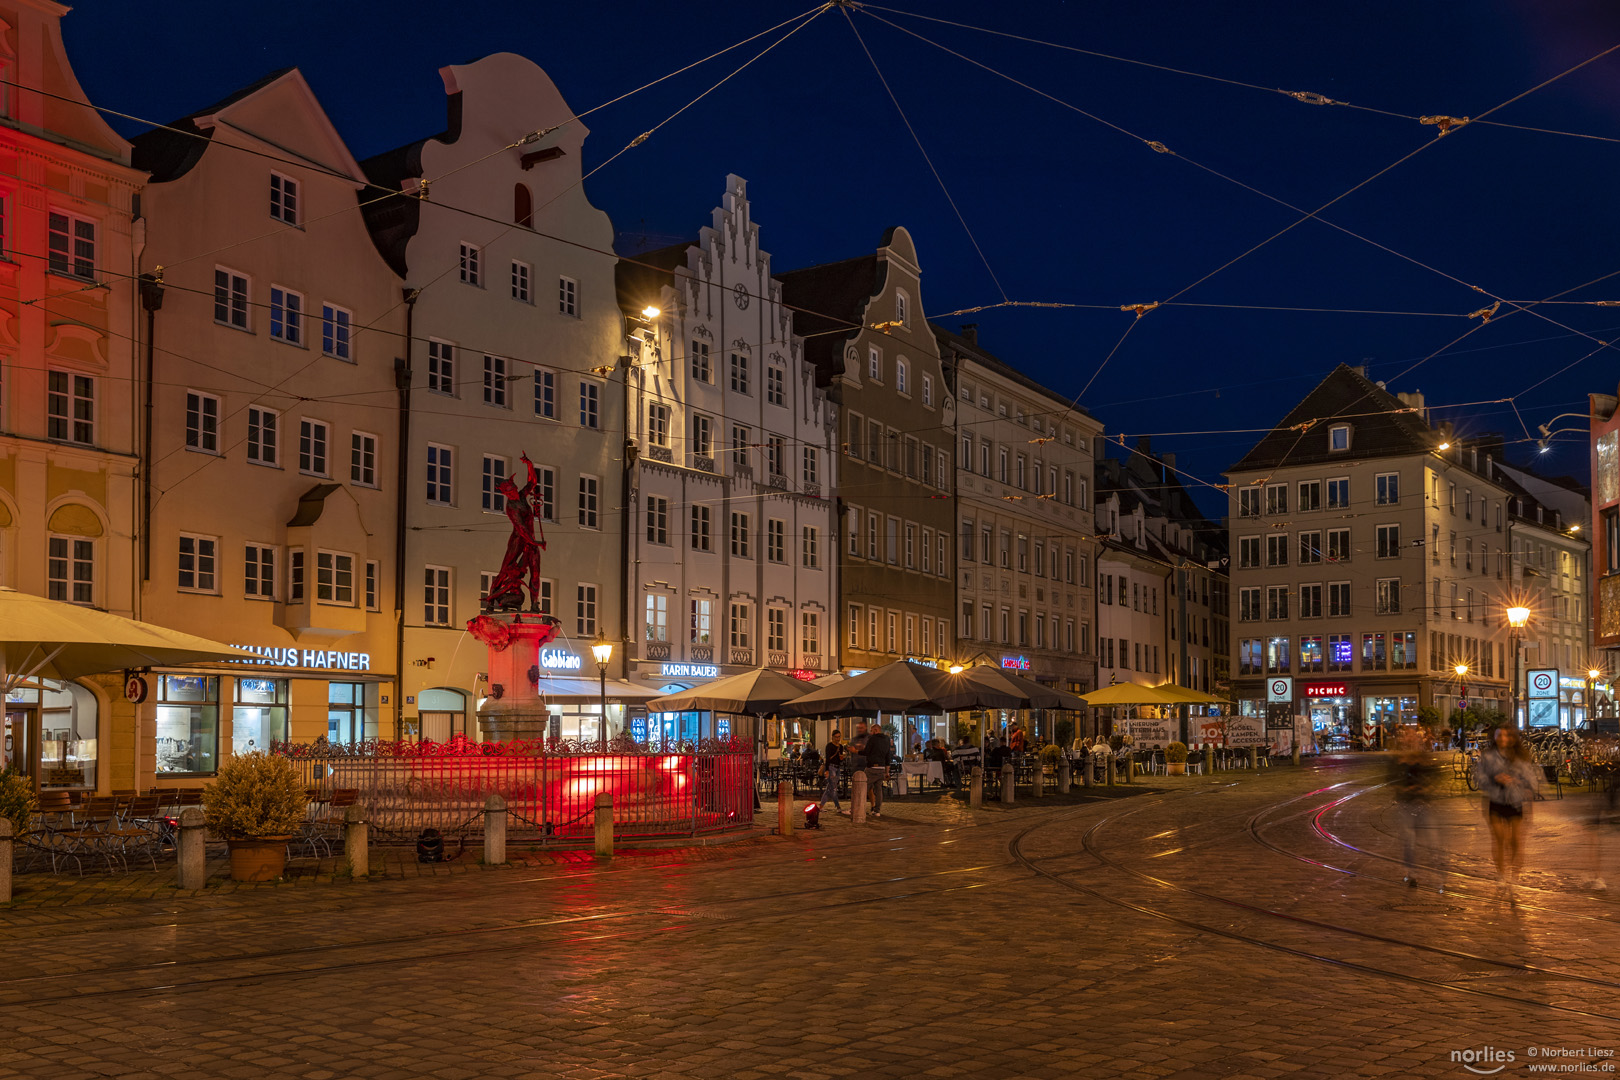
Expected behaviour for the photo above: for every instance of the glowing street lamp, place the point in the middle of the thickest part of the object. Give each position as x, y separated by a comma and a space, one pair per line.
602, 650
1518, 616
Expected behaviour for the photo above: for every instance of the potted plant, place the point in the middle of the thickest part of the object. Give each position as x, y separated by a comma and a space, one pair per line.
1175, 759
256, 804
17, 802
1051, 753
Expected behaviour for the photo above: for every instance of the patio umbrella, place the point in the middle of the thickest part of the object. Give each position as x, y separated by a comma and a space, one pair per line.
1131, 694
1031, 694
752, 693
829, 680
900, 687
1186, 695
50, 639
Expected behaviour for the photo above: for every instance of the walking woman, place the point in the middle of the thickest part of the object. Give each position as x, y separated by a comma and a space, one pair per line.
1507, 776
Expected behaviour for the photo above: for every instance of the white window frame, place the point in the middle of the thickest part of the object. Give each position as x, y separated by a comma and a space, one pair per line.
330, 569
256, 583
441, 475
284, 196
363, 459
236, 302
204, 558
471, 264
256, 441
441, 366
567, 296
308, 427
72, 424
497, 381
590, 502
202, 436
287, 310
65, 586
522, 282
438, 595
545, 393
491, 501
70, 262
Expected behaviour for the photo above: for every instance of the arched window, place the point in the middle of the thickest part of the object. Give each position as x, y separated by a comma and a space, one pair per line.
442, 713
522, 206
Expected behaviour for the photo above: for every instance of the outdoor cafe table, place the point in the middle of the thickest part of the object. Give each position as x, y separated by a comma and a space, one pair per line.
928, 770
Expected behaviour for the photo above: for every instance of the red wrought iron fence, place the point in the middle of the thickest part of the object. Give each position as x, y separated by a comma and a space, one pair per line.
550, 788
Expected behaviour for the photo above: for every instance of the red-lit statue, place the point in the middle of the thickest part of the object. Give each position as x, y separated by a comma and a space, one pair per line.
522, 559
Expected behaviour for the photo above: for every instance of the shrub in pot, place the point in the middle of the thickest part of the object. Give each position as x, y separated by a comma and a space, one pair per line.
17, 801
1175, 758
256, 804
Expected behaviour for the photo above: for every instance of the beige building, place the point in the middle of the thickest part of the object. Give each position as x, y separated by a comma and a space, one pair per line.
516, 344
271, 329
1026, 543
68, 418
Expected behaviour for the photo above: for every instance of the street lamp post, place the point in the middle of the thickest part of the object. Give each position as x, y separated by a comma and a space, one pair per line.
1462, 698
1517, 617
1592, 676
602, 649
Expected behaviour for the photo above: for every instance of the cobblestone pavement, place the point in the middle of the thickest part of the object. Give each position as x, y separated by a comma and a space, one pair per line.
1243, 924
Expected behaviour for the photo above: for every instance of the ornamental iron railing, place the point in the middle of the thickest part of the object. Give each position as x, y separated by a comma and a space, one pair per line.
550, 787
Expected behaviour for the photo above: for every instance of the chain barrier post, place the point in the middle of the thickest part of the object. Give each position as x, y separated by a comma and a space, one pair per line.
784, 808
494, 830
1007, 792
857, 796
189, 849
604, 824
1063, 778
5, 860
976, 789
356, 841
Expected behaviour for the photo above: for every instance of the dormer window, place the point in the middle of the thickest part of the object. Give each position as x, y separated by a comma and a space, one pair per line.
901, 306
1338, 438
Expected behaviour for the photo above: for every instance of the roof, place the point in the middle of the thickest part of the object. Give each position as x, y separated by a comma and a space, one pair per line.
826, 299
393, 220
170, 151
961, 346
1382, 425
639, 277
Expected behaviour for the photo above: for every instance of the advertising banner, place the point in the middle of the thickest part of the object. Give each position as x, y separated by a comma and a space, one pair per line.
1152, 732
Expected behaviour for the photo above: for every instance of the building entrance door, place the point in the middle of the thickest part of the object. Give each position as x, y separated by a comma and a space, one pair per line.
18, 754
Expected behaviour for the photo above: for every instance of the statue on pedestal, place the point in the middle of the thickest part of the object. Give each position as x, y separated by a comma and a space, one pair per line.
521, 564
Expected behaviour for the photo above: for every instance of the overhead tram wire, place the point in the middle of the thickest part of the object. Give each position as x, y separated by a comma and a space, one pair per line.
915, 138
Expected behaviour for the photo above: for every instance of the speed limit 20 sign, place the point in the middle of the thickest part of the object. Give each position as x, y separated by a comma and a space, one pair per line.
1543, 682
1280, 689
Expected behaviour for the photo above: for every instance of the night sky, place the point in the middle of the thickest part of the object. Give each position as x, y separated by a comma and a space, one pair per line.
1065, 208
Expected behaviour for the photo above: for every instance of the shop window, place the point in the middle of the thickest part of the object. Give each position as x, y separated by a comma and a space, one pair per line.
187, 724
442, 714
259, 715
64, 715
347, 718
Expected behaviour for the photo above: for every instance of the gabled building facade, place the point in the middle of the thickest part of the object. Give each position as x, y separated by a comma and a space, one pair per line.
515, 347
271, 327
1134, 572
731, 562
69, 437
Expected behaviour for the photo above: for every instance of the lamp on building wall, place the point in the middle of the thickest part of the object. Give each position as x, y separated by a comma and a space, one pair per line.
1518, 616
651, 311
602, 649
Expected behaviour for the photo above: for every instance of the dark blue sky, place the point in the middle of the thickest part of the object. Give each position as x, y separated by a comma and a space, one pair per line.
1064, 208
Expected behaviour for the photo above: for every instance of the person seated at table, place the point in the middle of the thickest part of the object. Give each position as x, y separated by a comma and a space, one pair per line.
811, 757
1000, 754
965, 756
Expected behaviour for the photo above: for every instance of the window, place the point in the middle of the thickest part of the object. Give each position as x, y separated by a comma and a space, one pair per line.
197, 562
491, 475
548, 493
337, 332
701, 538
776, 541
1453, 551
1387, 487
1277, 655
657, 617
70, 407
588, 502
520, 282
1338, 545
1389, 596
775, 386
1249, 502
1276, 601
1338, 493
1310, 548
373, 572
436, 596
812, 465
1388, 541
202, 422
585, 610
1277, 550
1338, 438
739, 535
900, 376
657, 521
286, 315
334, 578
776, 456
70, 569
702, 628
657, 424
1310, 654
1338, 599
568, 297
810, 545
901, 314
72, 245
701, 371
260, 566
545, 393
1276, 498
776, 629
810, 632
363, 459
1249, 605
874, 365
742, 636
495, 374
295, 576
1310, 601
702, 436
471, 264
1310, 495
440, 475
441, 367
314, 436
187, 736
284, 198
230, 298
1248, 551
739, 373
589, 404
1341, 652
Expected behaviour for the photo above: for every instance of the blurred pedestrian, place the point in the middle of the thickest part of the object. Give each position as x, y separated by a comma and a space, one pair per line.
879, 750
1507, 776
1413, 775
833, 764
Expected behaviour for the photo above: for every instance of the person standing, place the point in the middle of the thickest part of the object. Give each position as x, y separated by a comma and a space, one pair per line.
879, 749
1412, 776
1506, 776
832, 764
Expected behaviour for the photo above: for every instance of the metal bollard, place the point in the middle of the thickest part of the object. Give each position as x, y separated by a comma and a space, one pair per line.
494, 830
189, 848
1064, 778
1296, 753
356, 841
1130, 767
1254, 757
1209, 760
976, 789
1108, 764
784, 808
857, 797
1038, 783
1007, 793
604, 824
5, 860
1086, 770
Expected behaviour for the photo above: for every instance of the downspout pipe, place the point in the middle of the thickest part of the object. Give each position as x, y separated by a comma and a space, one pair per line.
402, 382
626, 575
151, 290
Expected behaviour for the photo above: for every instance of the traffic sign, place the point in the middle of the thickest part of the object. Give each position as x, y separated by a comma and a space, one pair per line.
1543, 682
1280, 688
1541, 712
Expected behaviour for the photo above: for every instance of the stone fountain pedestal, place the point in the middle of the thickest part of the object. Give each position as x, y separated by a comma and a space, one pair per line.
513, 708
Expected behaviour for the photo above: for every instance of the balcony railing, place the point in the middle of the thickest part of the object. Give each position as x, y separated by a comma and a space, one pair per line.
701, 654
660, 453
742, 656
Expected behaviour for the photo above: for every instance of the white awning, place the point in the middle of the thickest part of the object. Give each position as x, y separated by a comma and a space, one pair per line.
585, 691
